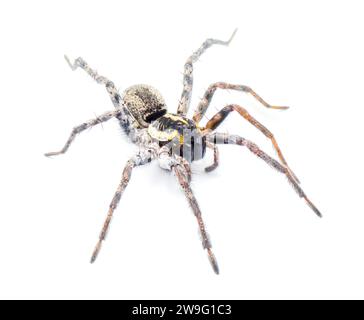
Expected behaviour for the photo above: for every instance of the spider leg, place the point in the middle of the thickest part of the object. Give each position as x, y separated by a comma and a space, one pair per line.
222, 138
110, 87
187, 167
207, 97
216, 157
78, 129
217, 119
138, 160
180, 173
185, 100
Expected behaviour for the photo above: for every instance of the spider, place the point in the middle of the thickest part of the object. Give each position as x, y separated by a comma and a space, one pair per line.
175, 140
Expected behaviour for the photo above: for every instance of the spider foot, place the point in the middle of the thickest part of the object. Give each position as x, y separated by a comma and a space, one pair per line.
76, 63
279, 107
213, 261
211, 168
312, 206
96, 252
50, 154
232, 36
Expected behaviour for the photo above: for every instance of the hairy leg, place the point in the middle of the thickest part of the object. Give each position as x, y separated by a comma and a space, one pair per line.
82, 127
206, 100
138, 160
217, 119
216, 157
110, 87
222, 138
180, 173
185, 100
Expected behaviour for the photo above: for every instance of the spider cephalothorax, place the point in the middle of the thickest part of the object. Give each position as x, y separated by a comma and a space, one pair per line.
174, 139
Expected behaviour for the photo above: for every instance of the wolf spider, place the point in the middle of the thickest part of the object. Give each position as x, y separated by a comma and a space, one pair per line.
175, 140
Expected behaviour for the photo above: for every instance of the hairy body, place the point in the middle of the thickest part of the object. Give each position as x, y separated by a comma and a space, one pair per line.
175, 140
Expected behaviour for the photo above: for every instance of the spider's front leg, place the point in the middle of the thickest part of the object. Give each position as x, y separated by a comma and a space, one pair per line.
82, 127
216, 156
140, 159
182, 171
207, 97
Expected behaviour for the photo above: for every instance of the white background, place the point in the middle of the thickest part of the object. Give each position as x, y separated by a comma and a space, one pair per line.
307, 54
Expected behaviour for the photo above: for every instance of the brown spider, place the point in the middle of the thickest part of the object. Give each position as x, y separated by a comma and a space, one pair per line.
174, 139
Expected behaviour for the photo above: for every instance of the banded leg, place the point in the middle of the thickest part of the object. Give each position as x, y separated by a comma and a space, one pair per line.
180, 173
205, 101
185, 100
216, 157
222, 138
110, 87
186, 166
140, 159
76, 130
217, 119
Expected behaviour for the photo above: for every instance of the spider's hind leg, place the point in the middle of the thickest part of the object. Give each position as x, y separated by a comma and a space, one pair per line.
110, 87
185, 100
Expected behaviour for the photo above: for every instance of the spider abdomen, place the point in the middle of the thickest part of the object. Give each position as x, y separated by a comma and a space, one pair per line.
144, 103
181, 134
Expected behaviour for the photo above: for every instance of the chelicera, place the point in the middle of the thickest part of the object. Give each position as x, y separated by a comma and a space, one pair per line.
175, 140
